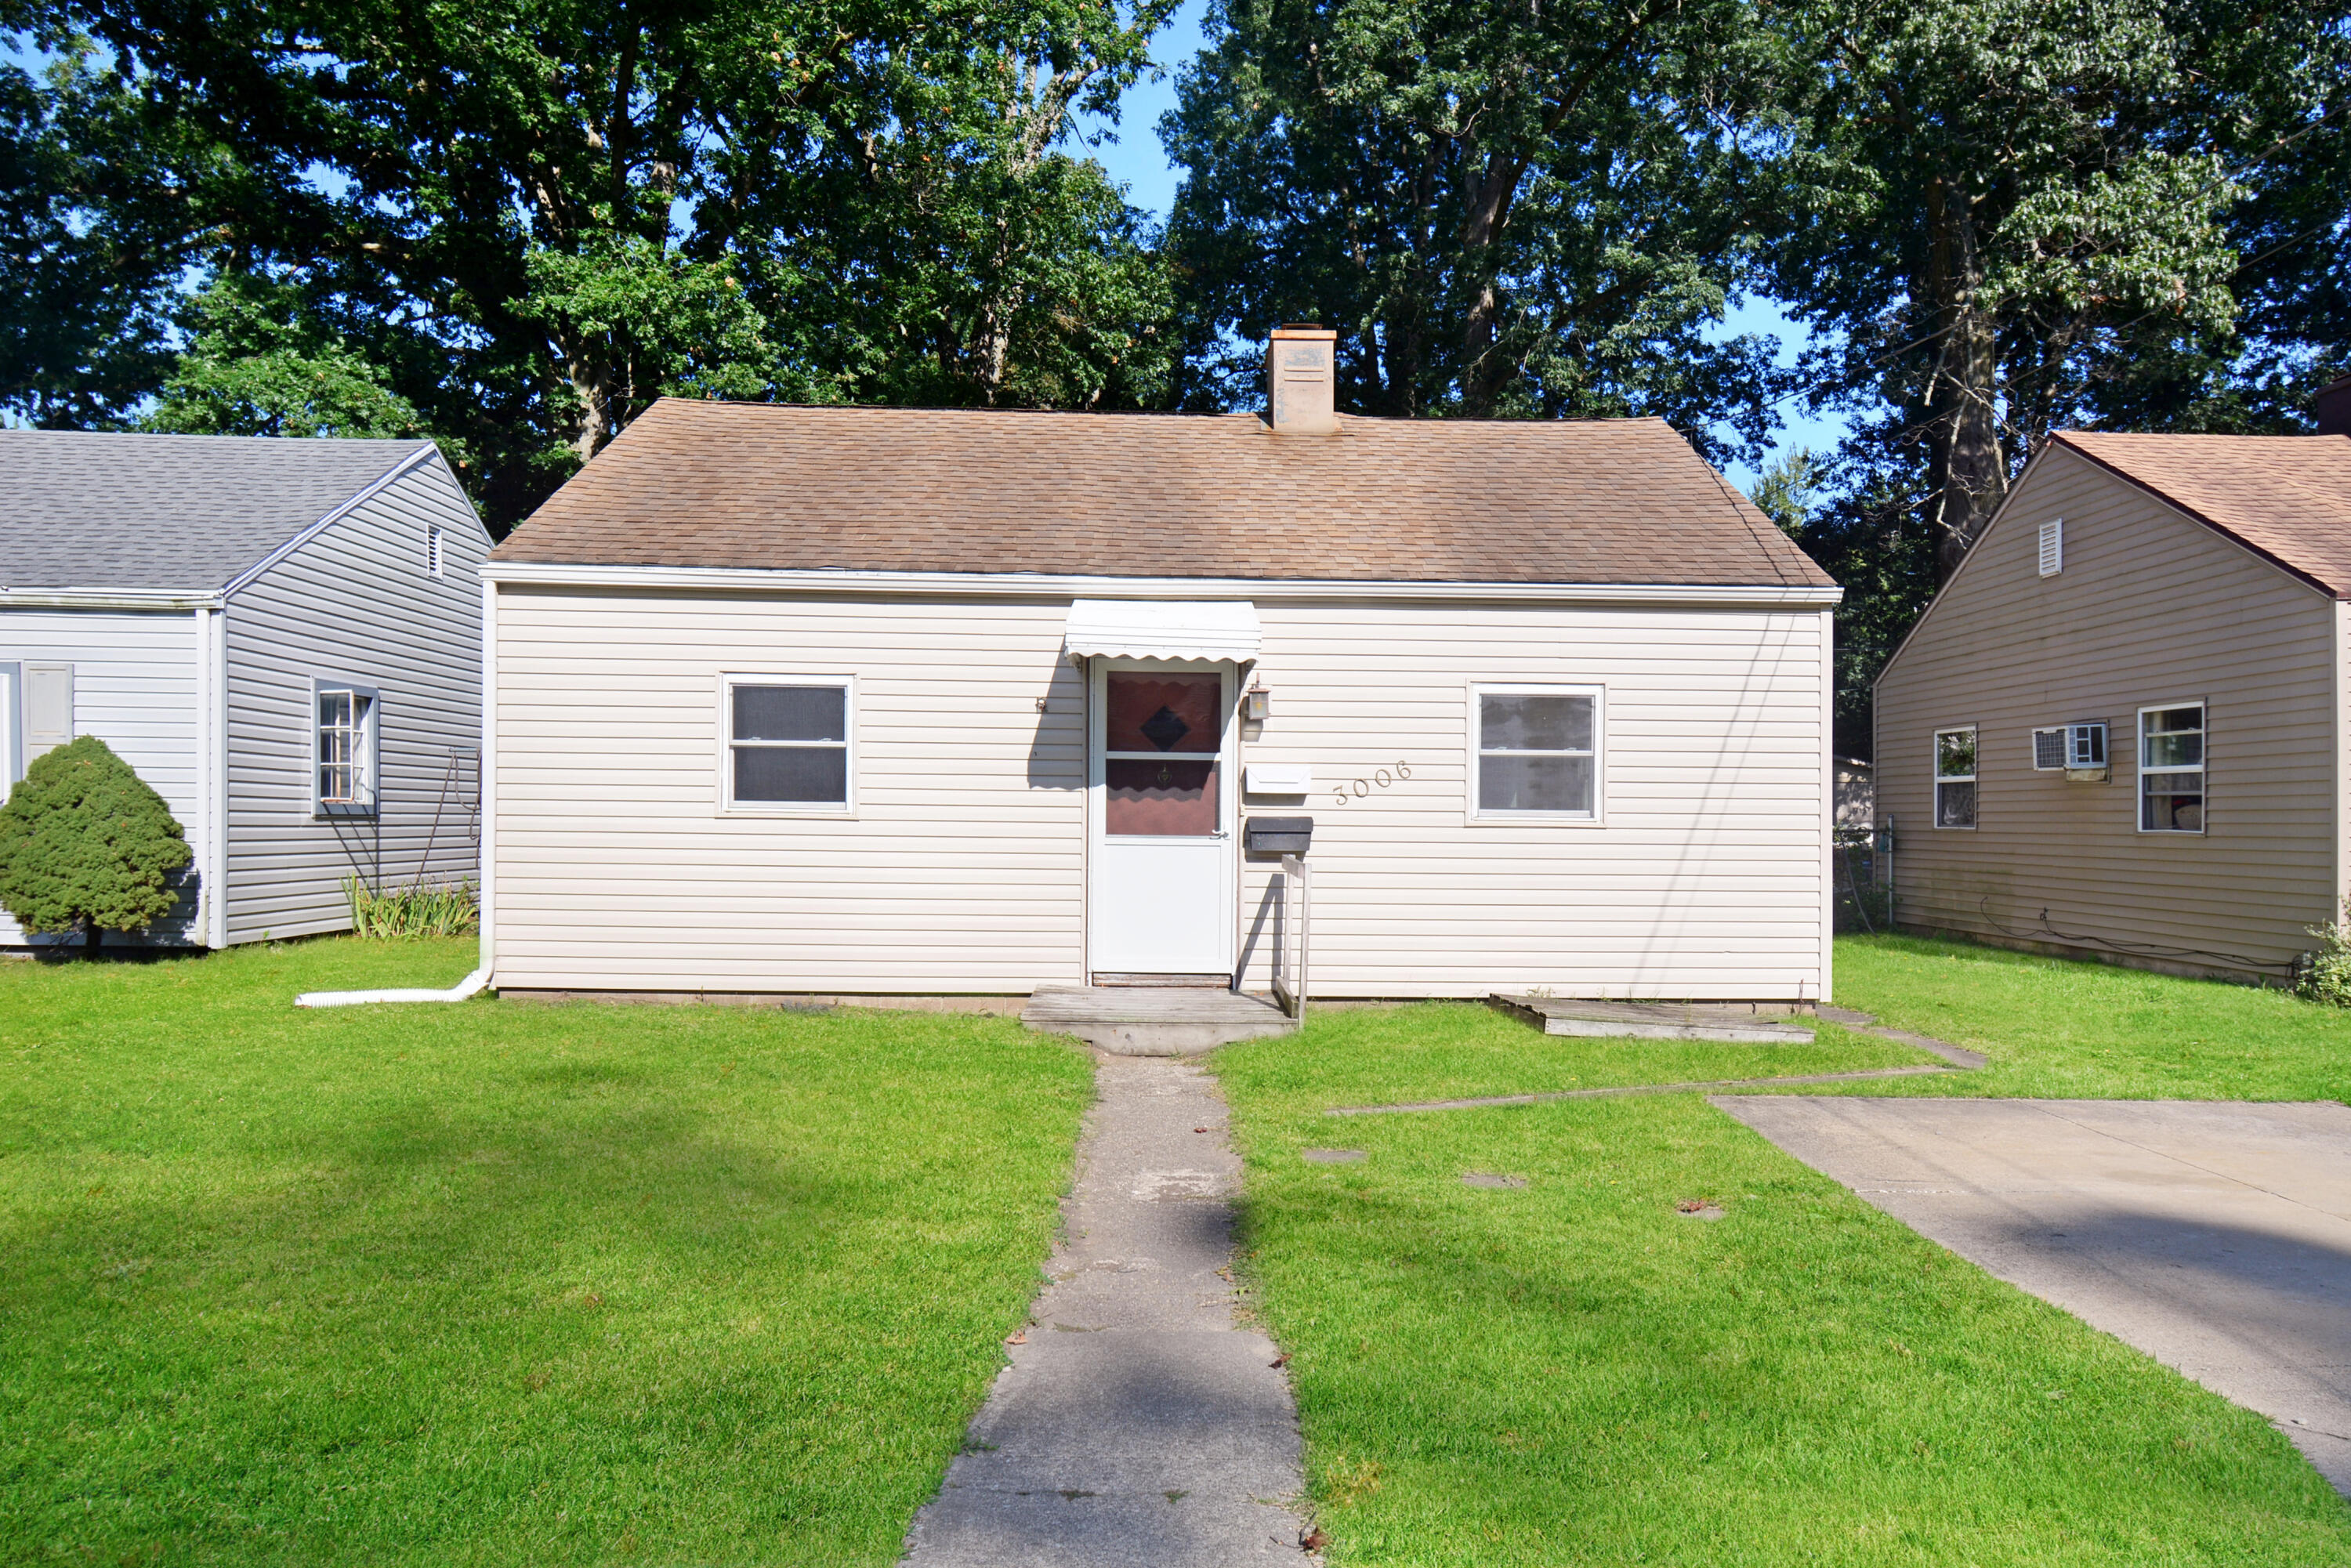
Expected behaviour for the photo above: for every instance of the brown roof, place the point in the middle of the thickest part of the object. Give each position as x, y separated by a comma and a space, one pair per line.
2287, 497
696, 484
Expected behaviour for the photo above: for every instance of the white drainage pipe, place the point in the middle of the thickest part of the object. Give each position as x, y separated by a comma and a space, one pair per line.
473, 985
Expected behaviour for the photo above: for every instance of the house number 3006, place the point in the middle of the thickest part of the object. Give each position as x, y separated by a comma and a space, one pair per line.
1381, 778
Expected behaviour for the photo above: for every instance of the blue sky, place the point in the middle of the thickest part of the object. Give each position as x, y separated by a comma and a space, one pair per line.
1137, 160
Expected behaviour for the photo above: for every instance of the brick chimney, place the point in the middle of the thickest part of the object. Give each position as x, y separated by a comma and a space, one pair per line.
2331, 405
1301, 371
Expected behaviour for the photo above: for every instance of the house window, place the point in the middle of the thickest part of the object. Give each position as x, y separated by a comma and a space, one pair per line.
2052, 546
433, 552
345, 776
1537, 752
1955, 777
2171, 768
787, 743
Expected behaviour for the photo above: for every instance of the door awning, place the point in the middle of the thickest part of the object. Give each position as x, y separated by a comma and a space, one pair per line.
1163, 629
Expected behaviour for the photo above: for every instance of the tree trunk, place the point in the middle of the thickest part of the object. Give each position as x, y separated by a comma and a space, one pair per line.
89, 935
1967, 474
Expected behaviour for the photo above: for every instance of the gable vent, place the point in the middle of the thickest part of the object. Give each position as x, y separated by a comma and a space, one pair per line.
2052, 546
433, 552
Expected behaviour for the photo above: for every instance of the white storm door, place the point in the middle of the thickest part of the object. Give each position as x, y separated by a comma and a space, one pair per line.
1159, 789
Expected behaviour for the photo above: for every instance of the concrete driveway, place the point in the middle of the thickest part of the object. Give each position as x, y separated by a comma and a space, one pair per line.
2214, 1237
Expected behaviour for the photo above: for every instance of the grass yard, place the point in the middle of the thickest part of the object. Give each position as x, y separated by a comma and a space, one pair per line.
1575, 1373
2093, 1031
496, 1283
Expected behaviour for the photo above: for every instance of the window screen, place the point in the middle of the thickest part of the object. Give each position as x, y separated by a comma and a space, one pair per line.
788, 745
1955, 777
1538, 752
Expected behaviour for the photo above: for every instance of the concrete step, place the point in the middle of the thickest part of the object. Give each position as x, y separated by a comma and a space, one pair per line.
1153, 1020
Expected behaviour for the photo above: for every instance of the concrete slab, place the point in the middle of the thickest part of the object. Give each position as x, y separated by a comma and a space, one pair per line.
1651, 1020
1139, 1422
2216, 1236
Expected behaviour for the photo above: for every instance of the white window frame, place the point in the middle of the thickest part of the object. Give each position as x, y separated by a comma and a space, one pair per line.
2201, 770
2049, 557
1597, 816
1938, 778
367, 751
728, 805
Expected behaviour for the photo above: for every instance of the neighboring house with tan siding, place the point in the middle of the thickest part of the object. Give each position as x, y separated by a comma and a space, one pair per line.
2118, 730
867, 701
283, 637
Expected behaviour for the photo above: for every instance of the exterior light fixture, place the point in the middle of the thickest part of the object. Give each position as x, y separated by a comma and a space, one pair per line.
1256, 702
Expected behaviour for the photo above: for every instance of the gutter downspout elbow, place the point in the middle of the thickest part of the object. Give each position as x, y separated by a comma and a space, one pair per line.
473, 985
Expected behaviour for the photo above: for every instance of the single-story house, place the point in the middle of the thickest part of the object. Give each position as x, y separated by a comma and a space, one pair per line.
283, 637
861, 701
2119, 730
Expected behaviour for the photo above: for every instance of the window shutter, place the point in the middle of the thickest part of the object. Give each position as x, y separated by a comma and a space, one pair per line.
2052, 546
49, 707
2048, 749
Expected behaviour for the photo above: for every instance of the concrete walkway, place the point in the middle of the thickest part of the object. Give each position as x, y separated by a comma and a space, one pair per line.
2214, 1237
1139, 1423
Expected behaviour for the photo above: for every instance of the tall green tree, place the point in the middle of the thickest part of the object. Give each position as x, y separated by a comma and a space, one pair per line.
532, 216
1531, 209
2009, 214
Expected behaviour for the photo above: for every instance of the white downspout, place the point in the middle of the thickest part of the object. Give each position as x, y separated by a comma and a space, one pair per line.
211, 771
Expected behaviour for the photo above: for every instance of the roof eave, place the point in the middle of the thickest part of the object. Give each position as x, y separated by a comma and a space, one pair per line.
764, 580
110, 598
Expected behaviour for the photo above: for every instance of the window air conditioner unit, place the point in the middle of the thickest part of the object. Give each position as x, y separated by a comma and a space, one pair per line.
2078, 750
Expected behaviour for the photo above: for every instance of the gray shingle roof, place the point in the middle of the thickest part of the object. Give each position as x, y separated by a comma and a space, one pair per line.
189, 512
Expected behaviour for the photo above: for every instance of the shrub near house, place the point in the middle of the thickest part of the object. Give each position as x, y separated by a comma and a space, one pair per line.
85, 845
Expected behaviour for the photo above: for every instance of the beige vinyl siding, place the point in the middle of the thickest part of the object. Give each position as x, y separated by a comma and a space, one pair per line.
134, 688
2152, 607
1705, 879
355, 603
962, 868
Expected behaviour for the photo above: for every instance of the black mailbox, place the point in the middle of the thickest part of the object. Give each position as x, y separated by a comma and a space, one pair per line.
1278, 835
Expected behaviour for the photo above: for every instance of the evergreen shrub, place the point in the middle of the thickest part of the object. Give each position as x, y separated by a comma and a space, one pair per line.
86, 845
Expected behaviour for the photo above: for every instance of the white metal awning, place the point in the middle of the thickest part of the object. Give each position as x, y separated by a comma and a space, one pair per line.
1163, 629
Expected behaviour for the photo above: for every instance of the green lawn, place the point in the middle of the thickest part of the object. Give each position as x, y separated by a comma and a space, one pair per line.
1576, 1373
496, 1283
2094, 1031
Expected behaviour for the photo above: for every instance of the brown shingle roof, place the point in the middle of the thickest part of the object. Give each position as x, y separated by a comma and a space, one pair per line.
698, 483
2286, 496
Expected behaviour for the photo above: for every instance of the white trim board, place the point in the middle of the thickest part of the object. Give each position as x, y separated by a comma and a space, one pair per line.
1727, 596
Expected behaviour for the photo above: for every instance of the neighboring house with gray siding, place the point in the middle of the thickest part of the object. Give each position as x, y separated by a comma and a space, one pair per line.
863, 701
282, 636
2119, 729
